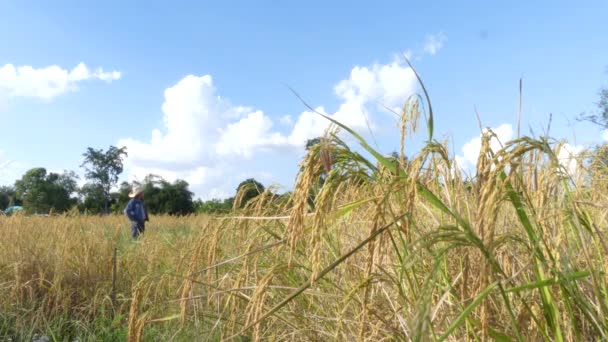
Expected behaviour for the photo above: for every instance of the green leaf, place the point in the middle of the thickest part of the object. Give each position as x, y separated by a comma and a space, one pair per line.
467, 311
347, 208
551, 281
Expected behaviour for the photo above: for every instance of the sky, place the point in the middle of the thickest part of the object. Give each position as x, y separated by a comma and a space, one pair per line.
201, 90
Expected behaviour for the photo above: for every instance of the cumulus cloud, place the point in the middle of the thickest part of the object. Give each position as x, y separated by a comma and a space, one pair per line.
205, 135
50, 81
201, 133
434, 43
200, 126
470, 151
248, 134
366, 90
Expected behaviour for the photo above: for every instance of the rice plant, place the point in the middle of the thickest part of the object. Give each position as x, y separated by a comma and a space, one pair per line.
367, 248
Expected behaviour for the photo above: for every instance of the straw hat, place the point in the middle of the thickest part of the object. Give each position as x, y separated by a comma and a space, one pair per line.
136, 191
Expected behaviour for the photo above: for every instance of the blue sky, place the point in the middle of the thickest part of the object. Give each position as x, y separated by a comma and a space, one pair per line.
166, 64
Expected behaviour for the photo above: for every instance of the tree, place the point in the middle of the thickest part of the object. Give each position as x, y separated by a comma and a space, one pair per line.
93, 198
169, 198
603, 106
42, 192
163, 197
250, 189
214, 206
102, 169
600, 118
121, 198
180, 199
312, 142
8, 197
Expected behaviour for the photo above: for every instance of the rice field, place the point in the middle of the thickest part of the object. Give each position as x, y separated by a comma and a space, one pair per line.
367, 248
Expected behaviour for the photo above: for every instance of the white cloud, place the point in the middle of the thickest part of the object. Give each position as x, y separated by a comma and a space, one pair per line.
200, 127
470, 150
605, 135
380, 85
435, 42
48, 82
567, 155
205, 136
286, 120
387, 83
252, 132
201, 133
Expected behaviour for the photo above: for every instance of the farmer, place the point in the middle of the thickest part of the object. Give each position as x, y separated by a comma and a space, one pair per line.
136, 212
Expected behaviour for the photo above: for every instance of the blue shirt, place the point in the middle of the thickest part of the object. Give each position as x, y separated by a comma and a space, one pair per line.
136, 211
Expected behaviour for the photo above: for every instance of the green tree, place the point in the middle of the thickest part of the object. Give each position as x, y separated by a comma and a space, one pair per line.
93, 198
312, 142
214, 206
8, 197
121, 197
152, 186
179, 198
163, 197
251, 189
102, 169
42, 192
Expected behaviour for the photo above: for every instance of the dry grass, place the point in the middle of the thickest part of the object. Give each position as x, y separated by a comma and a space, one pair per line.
391, 250
486, 261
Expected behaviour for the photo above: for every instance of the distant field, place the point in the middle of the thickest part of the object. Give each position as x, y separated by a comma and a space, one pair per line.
365, 249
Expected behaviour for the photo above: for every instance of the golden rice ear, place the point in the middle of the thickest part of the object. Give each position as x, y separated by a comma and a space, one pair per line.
310, 170
192, 274
256, 306
328, 147
137, 321
326, 156
408, 121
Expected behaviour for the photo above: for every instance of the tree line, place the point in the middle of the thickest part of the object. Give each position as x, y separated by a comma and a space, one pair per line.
39, 191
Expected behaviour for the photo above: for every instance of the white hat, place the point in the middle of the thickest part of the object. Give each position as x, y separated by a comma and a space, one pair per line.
136, 191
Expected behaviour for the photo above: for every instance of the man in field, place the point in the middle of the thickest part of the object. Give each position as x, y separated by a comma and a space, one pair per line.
136, 212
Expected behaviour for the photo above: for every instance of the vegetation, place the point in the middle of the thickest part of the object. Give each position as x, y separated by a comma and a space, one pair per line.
102, 169
8, 197
214, 206
389, 250
603, 106
248, 190
163, 197
42, 192
599, 117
